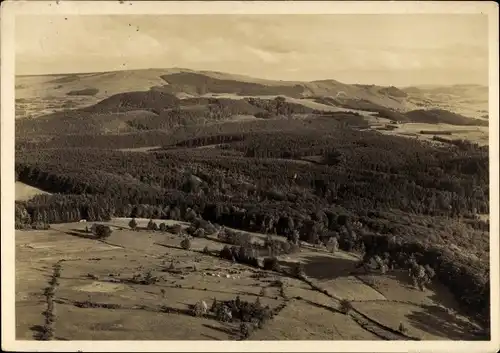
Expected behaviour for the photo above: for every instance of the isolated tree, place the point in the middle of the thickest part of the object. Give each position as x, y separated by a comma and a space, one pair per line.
132, 224
163, 227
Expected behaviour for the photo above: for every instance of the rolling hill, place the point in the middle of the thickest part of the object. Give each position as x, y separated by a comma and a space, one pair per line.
90, 88
467, 100
163, 100
210, 99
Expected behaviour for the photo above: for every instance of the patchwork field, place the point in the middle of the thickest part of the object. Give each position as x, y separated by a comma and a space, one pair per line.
97, 298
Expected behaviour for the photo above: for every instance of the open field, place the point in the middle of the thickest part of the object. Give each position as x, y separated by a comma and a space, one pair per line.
100, 272
26, 192
475, 134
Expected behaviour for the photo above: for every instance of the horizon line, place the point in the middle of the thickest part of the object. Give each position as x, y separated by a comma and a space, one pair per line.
248, 76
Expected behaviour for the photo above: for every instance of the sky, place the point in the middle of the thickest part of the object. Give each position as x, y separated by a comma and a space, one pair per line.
399, 50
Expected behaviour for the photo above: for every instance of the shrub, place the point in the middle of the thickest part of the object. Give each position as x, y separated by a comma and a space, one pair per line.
186, 244
198, 309
345, 306
242, 310
199, 233
162, 227
226, 253
149, 279
101, 231
206, 250
271, 263
208, 227
223, 313
152, 225
190, 230
132, 224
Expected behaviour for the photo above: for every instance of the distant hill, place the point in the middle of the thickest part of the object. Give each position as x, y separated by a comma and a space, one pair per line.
200, 84
127, 101
197, 83
467, 100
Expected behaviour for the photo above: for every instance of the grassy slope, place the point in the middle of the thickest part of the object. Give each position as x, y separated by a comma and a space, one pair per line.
308, 314
25, 192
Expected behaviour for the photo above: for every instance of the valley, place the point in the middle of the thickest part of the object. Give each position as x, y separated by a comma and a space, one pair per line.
308, 210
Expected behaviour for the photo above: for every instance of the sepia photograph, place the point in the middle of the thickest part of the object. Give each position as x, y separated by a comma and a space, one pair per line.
223, 171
